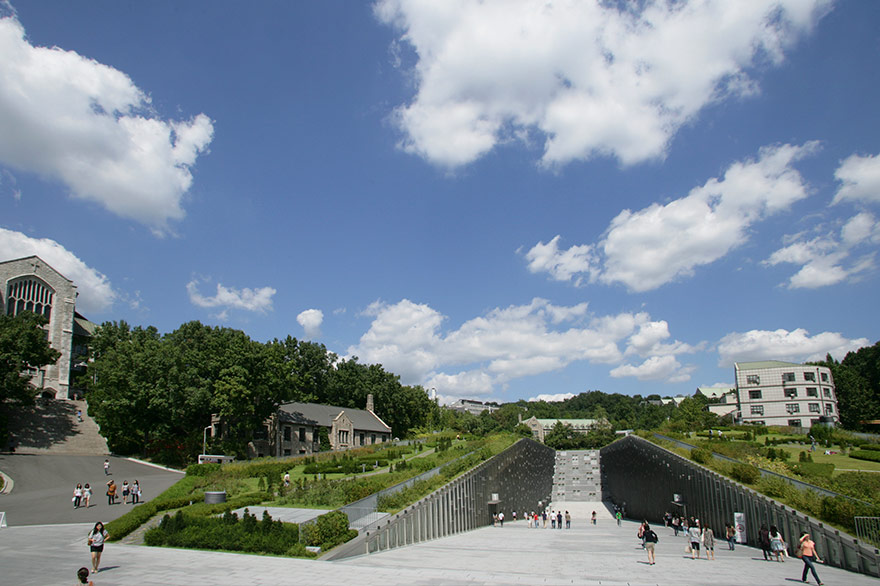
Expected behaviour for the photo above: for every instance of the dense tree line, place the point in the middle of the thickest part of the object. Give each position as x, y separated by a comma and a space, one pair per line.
621, 412
857, 381
23, 348
155, 394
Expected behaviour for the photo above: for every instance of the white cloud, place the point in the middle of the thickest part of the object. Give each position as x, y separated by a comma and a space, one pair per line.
661, 243
311, 320
562, 265
860, 178
665, 368
96, 295
587, 78
86, 124
259, 300
825, 259
792, 346
504, 344
555, 398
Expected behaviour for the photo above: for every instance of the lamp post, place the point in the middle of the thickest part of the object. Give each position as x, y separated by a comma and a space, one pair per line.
205, 440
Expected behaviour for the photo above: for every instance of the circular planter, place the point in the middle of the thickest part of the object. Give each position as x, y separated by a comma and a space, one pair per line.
215, 497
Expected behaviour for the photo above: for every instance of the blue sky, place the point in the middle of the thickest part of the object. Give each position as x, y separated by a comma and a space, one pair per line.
499, 200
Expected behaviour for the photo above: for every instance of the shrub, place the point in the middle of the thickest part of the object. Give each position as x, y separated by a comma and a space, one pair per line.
745, 473
809, 469
872, 447
701, 455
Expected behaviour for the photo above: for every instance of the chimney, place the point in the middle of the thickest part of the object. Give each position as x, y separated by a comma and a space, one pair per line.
370, 402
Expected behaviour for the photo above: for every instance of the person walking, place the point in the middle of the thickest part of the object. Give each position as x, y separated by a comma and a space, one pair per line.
594, 517
559, 519
709, 543
86, 495
567, 520
126, 489
111, 492
135, 492
619, 517
807, 550
777, 543
730, 534
764, 542
641, 533
694, 536
77, 495
96, 544
106, 467
676, 525
501, 519
651, 540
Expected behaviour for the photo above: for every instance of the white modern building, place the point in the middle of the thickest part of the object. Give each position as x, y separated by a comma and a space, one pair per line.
724, 399
771, 392
472, 407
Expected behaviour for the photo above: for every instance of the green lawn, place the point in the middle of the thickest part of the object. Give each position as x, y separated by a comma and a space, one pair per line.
841, 463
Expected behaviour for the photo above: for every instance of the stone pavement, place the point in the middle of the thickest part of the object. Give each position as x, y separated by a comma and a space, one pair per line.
513, 555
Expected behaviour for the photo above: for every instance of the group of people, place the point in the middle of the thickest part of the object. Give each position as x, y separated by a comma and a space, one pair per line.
770, 539
130, 492
537, 520
82, 496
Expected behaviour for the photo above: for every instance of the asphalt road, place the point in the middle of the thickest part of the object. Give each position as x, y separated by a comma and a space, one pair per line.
43, 487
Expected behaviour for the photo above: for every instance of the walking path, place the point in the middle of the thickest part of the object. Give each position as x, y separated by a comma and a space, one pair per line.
604, 555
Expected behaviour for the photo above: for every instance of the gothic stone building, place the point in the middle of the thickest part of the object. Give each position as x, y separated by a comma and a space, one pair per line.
30, 284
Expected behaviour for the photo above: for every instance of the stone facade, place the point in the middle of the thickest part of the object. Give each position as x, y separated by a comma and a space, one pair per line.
295, 429
541, 427
30, 284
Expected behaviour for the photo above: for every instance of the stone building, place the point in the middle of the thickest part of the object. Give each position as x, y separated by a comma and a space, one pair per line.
295, 429
541, 427
30, 284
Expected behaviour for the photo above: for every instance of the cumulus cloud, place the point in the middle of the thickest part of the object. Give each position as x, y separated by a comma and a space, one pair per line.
665, 368
587, 78
226, 298
860, 179
556, 398
506, 343
828, 259
792, 346
72, 119
311, 320
96, 294
661, 243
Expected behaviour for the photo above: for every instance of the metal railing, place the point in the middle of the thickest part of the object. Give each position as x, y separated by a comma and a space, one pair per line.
868, 530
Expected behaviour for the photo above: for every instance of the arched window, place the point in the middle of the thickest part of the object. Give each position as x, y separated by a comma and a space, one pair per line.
29, 294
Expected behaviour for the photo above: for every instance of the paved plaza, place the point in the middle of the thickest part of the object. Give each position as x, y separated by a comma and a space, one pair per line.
515, 554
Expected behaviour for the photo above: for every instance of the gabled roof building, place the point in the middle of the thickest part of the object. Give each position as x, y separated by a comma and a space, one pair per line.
295, 429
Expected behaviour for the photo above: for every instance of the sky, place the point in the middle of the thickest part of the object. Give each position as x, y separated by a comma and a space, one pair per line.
499, 200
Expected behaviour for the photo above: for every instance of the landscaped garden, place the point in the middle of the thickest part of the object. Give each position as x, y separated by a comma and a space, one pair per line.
831, 459
327, 480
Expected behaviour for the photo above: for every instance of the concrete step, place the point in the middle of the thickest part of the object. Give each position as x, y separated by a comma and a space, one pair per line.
51, 427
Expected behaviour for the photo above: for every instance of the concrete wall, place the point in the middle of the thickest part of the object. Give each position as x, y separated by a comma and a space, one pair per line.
645, 477
577, 476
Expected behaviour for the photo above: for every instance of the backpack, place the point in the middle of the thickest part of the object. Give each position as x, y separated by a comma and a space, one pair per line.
651, 537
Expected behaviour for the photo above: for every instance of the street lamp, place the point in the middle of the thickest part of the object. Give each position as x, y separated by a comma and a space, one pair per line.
205, 440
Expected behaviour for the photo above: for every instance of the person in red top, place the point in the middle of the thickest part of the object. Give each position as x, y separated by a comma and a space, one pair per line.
809, 555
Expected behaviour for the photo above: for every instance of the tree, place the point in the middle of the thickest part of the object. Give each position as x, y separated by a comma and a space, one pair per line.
23, 346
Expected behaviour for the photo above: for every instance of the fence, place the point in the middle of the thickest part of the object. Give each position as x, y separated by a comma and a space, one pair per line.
644, 477
521, 477
868, 530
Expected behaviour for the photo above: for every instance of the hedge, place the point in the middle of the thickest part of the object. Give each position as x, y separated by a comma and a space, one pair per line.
872, 447
814, 469
870, 455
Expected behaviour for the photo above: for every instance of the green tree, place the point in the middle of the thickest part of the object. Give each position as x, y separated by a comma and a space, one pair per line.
23, 347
